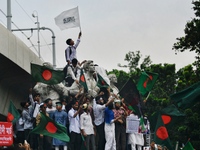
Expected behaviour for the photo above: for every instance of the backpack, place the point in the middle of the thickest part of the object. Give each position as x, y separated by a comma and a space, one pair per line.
70, 52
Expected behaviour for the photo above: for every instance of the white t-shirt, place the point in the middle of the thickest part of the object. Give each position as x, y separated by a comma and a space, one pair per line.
86, 123
74, 123
98, 111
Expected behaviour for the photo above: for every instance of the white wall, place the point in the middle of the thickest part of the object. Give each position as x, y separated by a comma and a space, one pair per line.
14, 49
15, 78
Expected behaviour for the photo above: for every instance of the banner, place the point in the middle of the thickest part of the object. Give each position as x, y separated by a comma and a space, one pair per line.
132, 124
6, 133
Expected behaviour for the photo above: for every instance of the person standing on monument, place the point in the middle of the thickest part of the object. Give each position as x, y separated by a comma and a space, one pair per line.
70, 52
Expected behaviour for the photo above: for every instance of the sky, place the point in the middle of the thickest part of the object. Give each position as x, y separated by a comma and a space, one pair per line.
110, 29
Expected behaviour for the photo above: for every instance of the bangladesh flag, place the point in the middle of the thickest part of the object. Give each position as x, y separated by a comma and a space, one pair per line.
135, 110
188, 146
142, 125
101, 82
13, 114
170, 115
187, 97
146, 82
161, 134
49, 127
82, 81
46, 75
130, 93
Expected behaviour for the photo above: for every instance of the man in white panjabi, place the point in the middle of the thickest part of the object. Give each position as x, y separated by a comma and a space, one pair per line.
135, 138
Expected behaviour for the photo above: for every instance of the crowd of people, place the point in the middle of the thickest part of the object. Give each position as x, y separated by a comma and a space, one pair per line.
95, 122
100, 121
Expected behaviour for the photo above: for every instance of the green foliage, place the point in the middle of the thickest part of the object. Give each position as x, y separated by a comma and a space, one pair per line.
169, 82
191, 40
189, 129
166, 80
134, 61
186, 76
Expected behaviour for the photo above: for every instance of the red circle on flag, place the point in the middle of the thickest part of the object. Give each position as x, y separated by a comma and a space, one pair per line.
166, 119
47, 75
162, 133
10, 117
51, 128
82, 78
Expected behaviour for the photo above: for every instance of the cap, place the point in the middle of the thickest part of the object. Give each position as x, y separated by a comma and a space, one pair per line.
42, 104
47, 100
117, 101
98, 98
58, 103
84, 106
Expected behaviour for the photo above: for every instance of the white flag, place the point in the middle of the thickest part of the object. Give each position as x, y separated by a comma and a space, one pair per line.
68, 19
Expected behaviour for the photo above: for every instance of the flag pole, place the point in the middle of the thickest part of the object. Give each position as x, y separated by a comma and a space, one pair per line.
79, 19
148, 96
124, 85
176, 145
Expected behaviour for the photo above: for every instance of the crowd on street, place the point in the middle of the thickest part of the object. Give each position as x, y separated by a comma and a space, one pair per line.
95, 123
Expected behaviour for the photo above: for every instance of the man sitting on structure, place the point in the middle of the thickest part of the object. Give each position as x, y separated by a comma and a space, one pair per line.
72, 73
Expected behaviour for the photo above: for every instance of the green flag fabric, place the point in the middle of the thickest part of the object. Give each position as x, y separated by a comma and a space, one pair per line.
187, 97
49, 127
130, 93
13, 114
83, 145
82, 81
142, 125
135, 110
101, 82
188, 146
46, 75
161, 136
146, 82
170, 115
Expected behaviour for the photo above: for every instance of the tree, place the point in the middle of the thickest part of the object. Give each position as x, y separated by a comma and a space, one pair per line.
191, 40
164, 86
134, 59
186, 77
169, 82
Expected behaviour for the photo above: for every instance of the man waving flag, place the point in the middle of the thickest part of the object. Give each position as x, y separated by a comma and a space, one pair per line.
146, 82
68, 19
